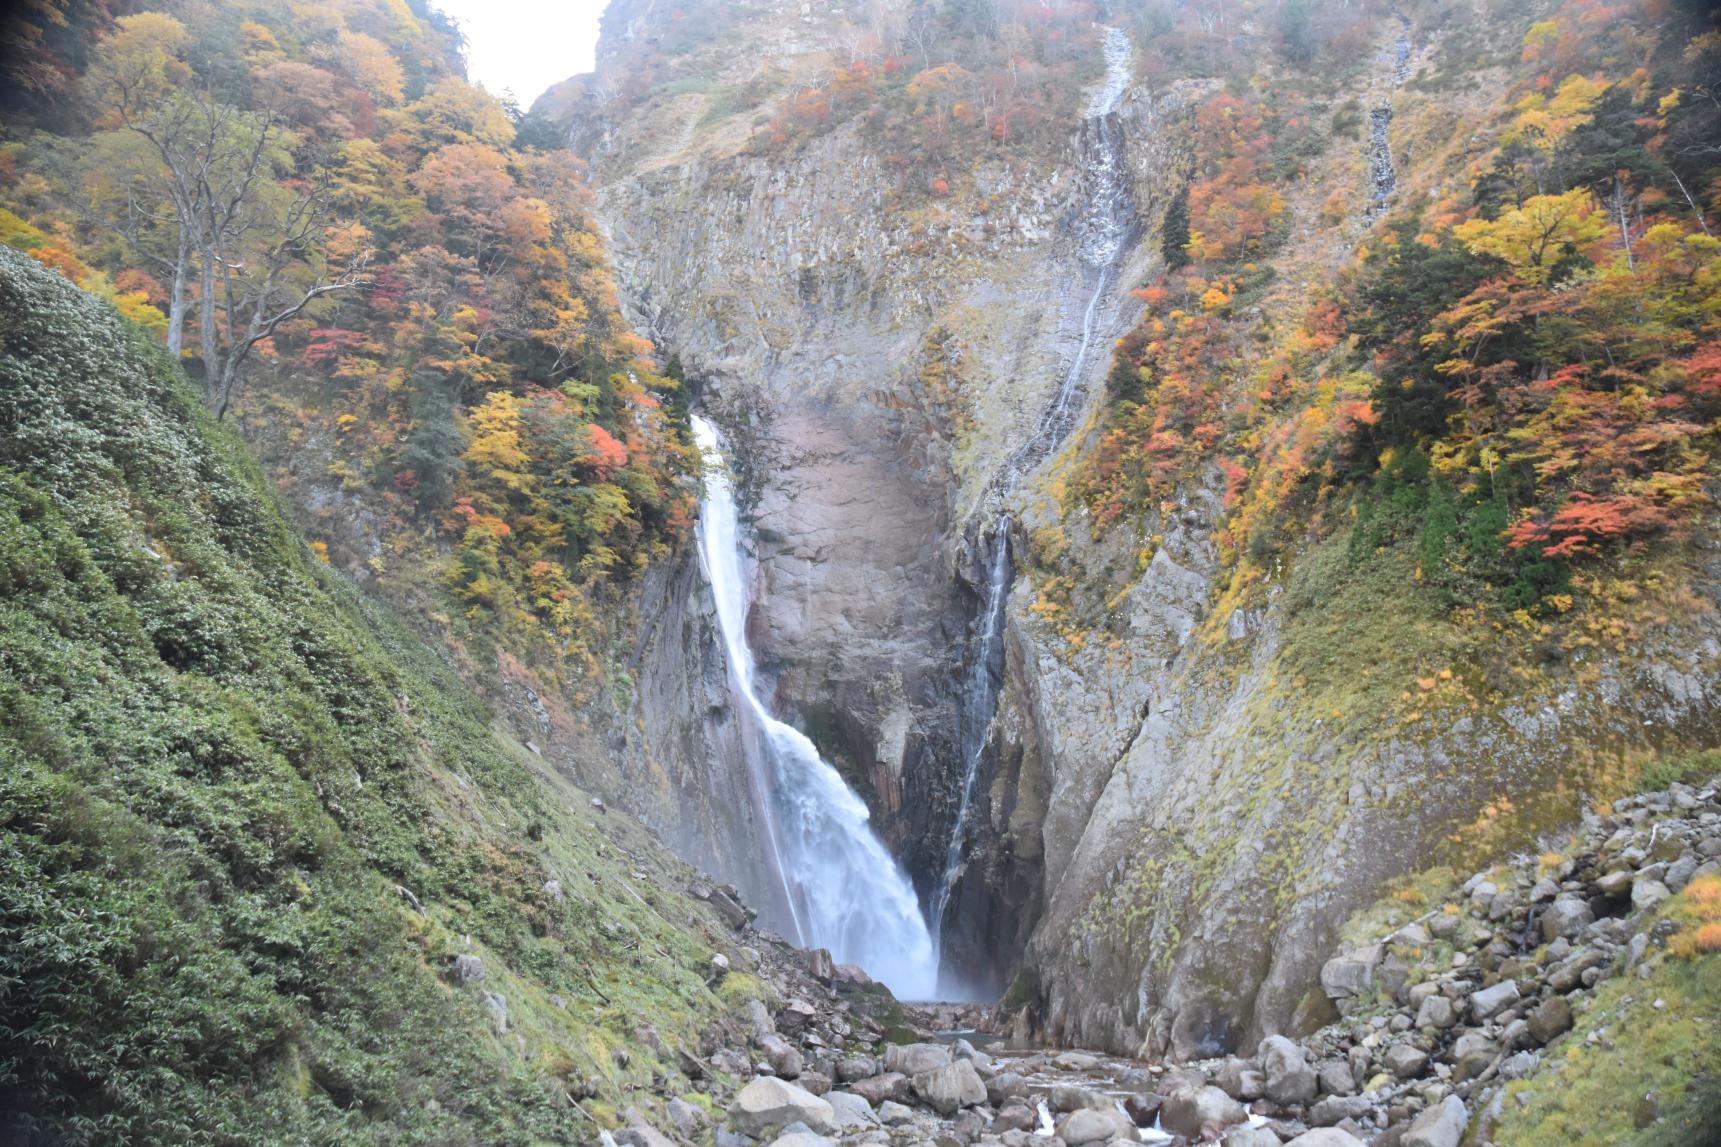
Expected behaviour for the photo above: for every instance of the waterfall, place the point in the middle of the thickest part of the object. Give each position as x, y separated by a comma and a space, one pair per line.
979, 702
1102, 234
840, 888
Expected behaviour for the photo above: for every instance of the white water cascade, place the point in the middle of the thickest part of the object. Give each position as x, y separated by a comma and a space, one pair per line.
840, 888
1102, 233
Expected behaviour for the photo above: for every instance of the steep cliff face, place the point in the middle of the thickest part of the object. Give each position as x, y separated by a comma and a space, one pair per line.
1186, 791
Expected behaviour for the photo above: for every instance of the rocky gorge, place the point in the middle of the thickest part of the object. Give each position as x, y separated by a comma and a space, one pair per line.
1463, 1024
1172, 810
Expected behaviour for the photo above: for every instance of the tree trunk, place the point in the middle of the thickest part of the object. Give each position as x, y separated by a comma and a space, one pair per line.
210, 340
177, 307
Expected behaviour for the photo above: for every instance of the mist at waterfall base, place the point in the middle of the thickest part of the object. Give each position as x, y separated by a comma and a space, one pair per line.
840, 889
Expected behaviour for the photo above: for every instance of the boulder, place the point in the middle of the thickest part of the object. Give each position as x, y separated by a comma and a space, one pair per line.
1249, 1137
769, 1103
1069, 1098
878, 1088
814, 1081
1090, 1125
1406, 1061
1077, 1061
688, 1118
820, 966
1646, 894
784, 1059
852, 1111
1436, 1012
1441, 1125
852, 1067
1490, 1002
802, 1139
1566, 916
1143, 1108
1006, 1085
1351, 974
1551, 1019
1014, 1117
1193, 1109
894, 1114
466, 968
1289, 1077
1472, 1052
642, 1134
950, 1088
914, 1058
1337, 1108
1336, 1078
1326, 1137
1241, 1080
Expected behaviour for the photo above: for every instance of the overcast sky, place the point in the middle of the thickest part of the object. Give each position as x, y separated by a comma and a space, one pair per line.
527, 45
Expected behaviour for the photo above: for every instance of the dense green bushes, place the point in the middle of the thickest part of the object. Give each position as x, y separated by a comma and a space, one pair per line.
216, 765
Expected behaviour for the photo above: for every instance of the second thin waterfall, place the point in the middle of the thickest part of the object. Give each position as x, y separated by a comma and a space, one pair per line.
840, 888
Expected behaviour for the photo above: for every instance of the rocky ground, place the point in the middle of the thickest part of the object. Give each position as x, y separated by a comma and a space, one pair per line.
1435, 1017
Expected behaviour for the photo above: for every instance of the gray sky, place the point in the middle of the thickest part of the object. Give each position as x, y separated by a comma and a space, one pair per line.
527, 45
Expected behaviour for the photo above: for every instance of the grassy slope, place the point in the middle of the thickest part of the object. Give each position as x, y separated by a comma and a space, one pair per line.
217, 763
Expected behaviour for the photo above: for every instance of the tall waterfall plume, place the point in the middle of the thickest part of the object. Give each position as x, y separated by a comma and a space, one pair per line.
840, 888
1103, 230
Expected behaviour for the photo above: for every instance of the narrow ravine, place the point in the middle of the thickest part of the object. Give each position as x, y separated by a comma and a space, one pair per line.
839, 887
1102, 232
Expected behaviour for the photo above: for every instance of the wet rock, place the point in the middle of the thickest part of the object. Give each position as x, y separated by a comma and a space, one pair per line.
1068, 1098
851, 1110
1551, 1019
1490, 1002
949, 1088
1014, 1117
1195, 1109
1143, 1108
1289, 1077
768, 1104
1442, 1125
1241, 1080
1094, 1126
914, 1058
1077, 1061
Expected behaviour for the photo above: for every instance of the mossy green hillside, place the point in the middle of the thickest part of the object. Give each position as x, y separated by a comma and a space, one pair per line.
246, 821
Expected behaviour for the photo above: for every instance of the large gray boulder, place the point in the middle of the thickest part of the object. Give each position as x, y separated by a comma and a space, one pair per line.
878, 1088
1241, 1080
1249, 1137
1440, 1126
1351, 974
784, 1058
914, 1058
1551, 1019
852, 1112
1436, 1012
1191, 1110
1566, 916
1290, 1079
950, 1088
769, 1103
1490, 1002
1006, 1085
1091, 1125
1406, 1060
